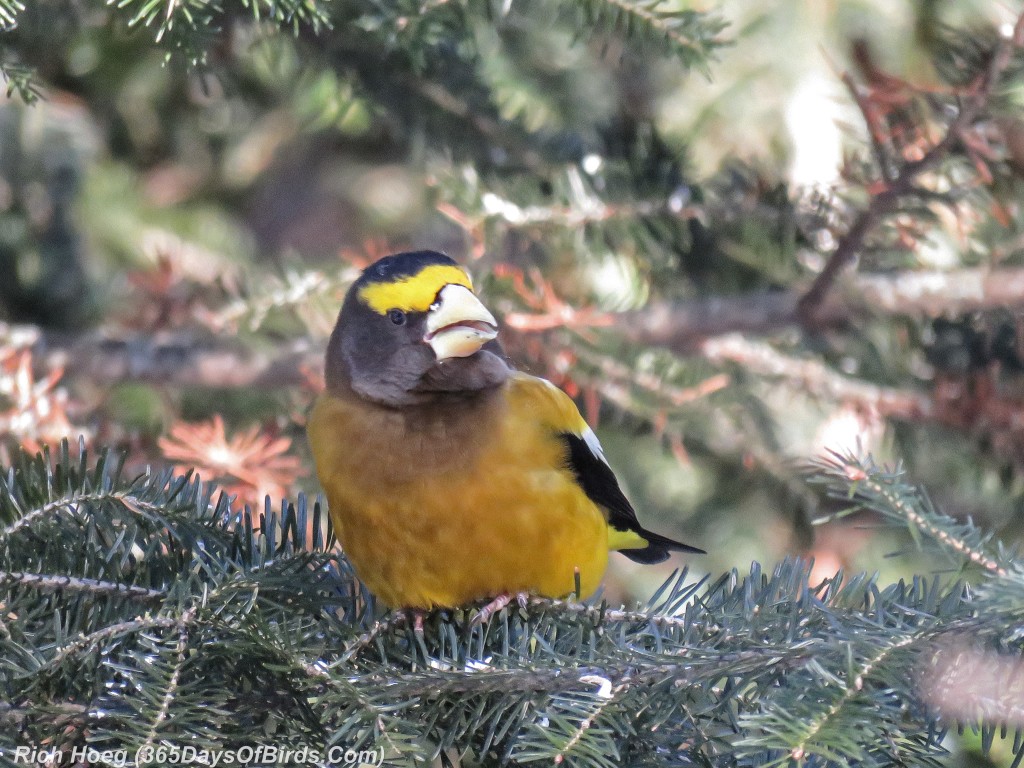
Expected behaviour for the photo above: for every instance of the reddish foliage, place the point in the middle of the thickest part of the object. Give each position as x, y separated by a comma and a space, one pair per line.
33, 411
249, 465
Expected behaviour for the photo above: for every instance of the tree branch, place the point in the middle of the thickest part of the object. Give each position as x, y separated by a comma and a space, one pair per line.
64, 583
683, 326
180, 360
941, 405
818, 379
185, 360
904, 184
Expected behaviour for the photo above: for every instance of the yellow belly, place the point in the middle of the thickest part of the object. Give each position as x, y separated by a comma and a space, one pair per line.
507, 518
432, 545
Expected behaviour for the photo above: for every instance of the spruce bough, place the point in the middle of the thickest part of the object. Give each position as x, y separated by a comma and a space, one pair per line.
146, 612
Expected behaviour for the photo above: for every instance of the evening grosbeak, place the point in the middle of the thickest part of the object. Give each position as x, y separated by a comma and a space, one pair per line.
450, 476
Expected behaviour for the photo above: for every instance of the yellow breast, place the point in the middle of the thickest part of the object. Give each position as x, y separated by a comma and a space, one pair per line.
446, 509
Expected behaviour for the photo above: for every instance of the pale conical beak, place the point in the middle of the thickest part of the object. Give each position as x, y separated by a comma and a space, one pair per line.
458, 324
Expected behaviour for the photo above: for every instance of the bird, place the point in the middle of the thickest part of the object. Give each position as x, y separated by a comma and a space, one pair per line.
450, 476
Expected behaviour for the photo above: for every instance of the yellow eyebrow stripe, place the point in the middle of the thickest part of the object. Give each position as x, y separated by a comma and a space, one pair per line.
413, 293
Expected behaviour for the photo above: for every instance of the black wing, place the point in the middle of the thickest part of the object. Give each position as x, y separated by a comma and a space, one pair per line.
598, 481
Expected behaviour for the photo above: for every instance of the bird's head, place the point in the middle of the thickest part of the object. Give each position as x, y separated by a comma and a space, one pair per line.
411, 331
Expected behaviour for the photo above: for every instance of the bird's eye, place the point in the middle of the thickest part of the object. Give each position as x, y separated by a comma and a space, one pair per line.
396, 316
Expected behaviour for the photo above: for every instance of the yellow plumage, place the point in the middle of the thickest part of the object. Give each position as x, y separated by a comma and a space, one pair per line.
450, 477
506, 517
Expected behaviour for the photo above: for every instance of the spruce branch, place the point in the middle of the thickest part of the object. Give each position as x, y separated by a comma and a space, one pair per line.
604, 697
369, 637
817, 379
904, 182
887, 492
187, 359
601, 613
463, 108
182, 625
126, 500
9, 10
150, 610
244, 614
293, 291
119, 630
64, 583
10, 712
166, 19
815, 732
482, 679
688, 35
20, 79
998, 415
683, 325
591, 211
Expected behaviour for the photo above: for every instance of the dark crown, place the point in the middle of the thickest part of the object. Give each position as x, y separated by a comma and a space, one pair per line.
401, 265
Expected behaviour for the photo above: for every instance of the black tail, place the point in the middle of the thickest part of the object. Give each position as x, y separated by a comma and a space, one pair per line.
658, 549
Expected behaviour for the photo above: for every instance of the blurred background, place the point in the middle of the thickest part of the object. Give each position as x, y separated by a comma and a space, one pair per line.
184, 206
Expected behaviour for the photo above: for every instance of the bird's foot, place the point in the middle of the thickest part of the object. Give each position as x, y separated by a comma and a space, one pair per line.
501, 601
415, 616
485, 613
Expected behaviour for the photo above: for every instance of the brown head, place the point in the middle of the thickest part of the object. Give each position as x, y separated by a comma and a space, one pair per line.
412, 332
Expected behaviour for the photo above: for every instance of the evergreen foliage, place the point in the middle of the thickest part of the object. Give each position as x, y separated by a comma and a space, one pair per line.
199, 145
144, 612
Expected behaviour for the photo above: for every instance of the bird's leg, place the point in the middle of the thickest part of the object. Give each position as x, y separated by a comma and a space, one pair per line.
492, 608
497, 604
415, 617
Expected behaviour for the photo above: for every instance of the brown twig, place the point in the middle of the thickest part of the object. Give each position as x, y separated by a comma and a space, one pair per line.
873, 120
904, 184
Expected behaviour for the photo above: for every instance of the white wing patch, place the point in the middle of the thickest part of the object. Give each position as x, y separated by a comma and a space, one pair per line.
594, 444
